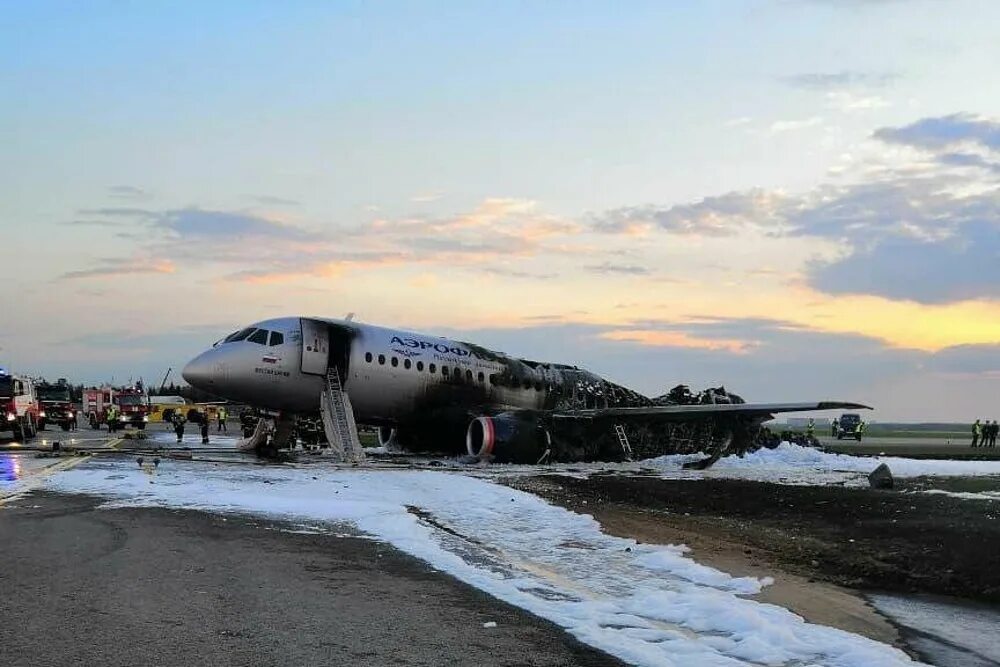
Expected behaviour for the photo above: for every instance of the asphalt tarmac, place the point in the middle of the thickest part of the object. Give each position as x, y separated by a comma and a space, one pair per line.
154, 586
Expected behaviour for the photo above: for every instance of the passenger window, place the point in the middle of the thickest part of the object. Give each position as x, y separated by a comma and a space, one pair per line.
381, 359
277, 338
481, 376
468, 375
444, 370
395, 362
259, 336
407, 363
420, 365
368, 357
433, 368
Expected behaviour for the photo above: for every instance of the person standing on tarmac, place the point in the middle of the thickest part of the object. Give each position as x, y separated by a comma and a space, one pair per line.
112, 417
811, 429
834, 425
994, 428
204, 427
222, 414
178, 420
977, 430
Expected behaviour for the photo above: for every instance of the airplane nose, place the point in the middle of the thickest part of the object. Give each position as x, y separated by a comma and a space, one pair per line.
199, 372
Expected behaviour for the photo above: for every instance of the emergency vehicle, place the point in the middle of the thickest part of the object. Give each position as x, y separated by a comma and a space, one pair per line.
849, 426
19, 408
56, 405
131, 403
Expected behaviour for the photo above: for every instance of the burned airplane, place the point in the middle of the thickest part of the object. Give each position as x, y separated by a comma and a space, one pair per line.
428, 394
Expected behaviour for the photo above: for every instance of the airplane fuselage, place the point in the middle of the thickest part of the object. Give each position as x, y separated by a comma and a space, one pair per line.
393, 377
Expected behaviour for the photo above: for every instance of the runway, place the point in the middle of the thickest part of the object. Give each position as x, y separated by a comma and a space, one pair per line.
584, 585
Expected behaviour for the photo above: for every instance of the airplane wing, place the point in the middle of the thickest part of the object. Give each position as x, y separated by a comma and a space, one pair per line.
707, 410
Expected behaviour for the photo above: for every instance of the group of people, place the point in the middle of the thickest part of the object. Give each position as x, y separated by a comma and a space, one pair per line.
984, 433
179, 420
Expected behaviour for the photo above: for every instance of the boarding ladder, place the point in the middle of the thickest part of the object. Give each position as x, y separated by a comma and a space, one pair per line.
623, 441
338, 420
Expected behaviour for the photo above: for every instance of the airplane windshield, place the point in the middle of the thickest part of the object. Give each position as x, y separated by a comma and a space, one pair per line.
239, 335
53, 394
130, 400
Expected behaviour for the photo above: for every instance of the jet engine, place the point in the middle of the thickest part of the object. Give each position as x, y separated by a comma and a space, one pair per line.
509, 437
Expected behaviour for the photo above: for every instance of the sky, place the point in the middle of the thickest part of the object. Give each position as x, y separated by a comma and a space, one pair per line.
797, 199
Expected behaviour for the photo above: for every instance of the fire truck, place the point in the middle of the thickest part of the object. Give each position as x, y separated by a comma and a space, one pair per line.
56, 405
19, 409
131, 402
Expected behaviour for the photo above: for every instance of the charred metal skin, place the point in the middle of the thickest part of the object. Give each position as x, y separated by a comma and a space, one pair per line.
438, 395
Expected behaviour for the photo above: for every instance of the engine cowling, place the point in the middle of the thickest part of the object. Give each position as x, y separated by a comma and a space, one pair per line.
509, 437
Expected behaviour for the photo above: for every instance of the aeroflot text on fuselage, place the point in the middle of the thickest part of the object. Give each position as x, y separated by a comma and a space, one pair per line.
437, 347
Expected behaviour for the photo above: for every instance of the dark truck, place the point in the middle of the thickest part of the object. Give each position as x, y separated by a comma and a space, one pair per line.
849, 426
56, 406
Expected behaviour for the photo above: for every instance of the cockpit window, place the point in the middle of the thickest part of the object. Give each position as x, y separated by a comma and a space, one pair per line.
259, 336
239, 335
277, 338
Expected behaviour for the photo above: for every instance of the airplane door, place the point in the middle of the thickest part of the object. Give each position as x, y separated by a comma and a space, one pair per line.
315, 347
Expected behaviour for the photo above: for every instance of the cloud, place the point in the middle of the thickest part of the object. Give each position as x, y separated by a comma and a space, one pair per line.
969, 160
966, 360
624, 269
678, 339
128, 192
426, 197
119, 212
270, 200
962, 266
926, 231
194, 223
780, 126
849, 102
945, 132
824, 81
95, 223
722, 215
115, 267
513, 273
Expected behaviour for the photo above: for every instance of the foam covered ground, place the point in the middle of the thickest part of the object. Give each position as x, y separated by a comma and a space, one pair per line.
795, 464
649, 605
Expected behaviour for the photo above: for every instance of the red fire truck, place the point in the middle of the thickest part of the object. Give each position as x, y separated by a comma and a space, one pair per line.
19, 407
131, 402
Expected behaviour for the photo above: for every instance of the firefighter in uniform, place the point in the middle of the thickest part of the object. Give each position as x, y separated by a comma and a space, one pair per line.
178, 420
112, 417
222, 415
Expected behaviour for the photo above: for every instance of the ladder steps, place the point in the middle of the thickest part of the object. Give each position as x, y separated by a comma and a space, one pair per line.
338, 419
